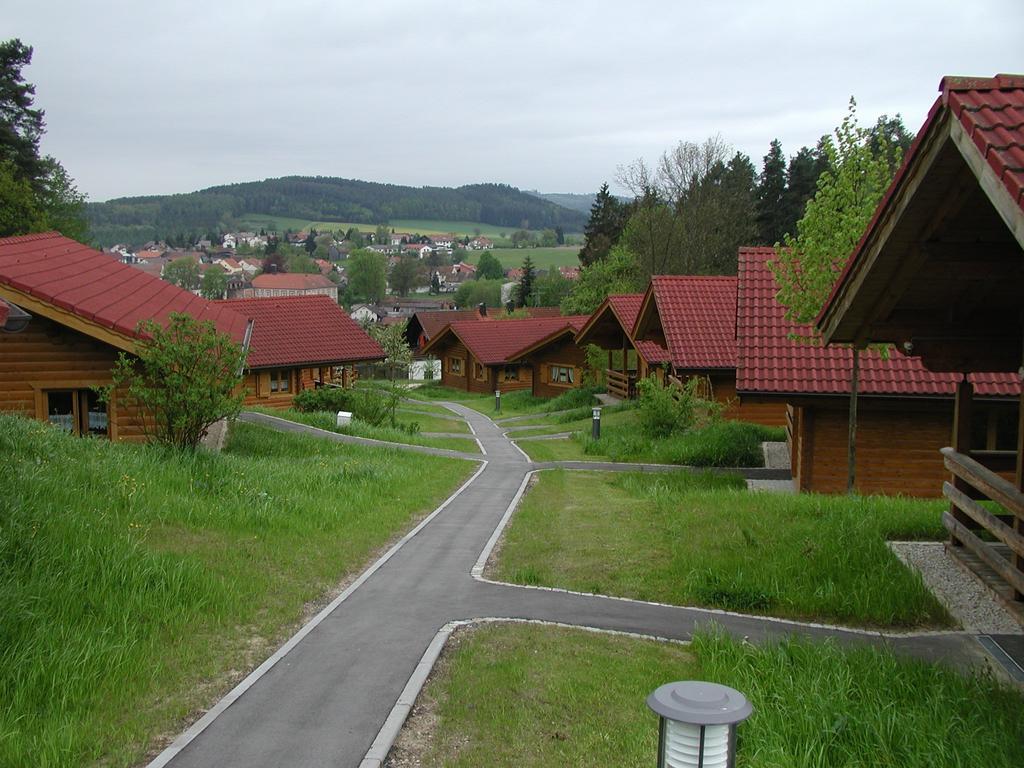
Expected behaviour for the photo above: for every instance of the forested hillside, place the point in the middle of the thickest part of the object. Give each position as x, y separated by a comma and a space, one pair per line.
138, 219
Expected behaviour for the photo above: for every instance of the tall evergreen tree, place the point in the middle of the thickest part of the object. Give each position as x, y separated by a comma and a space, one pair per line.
525, 288
802, 177
771, 188
608, 218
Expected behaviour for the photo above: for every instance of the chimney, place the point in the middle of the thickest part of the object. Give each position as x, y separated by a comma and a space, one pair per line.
482, 309
273, 268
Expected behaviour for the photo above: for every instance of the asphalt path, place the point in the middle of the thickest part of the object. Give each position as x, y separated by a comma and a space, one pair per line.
323, 698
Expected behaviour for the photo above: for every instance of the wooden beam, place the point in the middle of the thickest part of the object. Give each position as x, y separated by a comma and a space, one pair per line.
992, 185
1010, 575
61, 316
962, 407
985, 519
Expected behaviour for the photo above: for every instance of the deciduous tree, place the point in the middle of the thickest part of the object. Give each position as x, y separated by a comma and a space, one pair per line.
618, 273
183, 378
214, 283
489, 268
405, 275
183, 273
806, 265
367, 275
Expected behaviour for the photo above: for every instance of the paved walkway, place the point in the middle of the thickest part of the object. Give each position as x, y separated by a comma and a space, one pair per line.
322, 699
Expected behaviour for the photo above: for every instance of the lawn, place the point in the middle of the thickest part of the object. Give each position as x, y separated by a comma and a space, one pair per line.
501, 700
137, 584
433, 423
328, 421
516, 403
704, 540
542, 258
576, 420
257, 221
718, 444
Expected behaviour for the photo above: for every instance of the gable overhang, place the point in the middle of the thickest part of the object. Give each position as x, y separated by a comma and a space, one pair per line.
648, 321
940, 268
37, 306
605, 329
551, 338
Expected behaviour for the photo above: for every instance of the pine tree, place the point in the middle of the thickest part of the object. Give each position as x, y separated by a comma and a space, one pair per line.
525, 288
771, 189
802, 177
608, 218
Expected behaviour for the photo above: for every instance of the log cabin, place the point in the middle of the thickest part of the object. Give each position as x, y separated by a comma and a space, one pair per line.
84, 307
939, 271
507, 355
694, 319
904, 410
610, 327
298, 343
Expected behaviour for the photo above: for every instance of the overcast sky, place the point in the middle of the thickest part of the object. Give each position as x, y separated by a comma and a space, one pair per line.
152, 96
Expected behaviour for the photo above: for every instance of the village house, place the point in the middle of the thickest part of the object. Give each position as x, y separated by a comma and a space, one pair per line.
940, 272
85, 308
507, 355
299, 343
365, 313
694, 319
904, 413
292, 284
480, 243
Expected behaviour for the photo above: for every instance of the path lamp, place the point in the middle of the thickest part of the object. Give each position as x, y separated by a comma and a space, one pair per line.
697, 724
497, 401
595, 431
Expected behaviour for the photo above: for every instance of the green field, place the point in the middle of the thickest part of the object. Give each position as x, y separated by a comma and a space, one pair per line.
543, 258
257, 221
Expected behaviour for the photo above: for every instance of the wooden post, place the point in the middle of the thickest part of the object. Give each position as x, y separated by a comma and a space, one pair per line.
1018, 520
962, 444
851, 439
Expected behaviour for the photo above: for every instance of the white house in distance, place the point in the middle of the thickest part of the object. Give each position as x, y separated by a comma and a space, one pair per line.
480, 244
364, 313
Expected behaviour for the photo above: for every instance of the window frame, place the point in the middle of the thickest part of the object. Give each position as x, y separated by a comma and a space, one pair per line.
461, 372
554, 373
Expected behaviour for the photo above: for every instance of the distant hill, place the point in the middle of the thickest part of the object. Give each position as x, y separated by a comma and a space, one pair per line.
139, 219
570, 200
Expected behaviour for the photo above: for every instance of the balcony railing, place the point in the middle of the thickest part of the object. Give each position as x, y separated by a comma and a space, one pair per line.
1004, 521
622, 385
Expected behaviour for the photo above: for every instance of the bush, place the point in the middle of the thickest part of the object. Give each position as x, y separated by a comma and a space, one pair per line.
665, 411
719, 444
324, 399
375, 406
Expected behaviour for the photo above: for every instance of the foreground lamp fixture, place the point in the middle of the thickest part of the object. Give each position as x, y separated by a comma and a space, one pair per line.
595, 430
497, 401
697, 727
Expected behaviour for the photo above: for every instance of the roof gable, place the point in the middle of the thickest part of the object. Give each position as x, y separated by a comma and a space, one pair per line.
494, 342
621, 311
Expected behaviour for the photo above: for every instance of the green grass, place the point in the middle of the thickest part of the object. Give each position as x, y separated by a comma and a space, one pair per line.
328, 421
704, 540
137, 583
542, 258
433, 423
503, 700
516, 403
719, 444
257, 221
578, 420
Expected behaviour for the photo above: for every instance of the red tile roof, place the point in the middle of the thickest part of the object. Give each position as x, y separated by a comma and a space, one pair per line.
698, 318
626, 307
496, 342
298, 330
98, 288
291, 281
771, 362
433, 322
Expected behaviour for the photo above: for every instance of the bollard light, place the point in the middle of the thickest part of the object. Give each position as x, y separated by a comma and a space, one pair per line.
595, 431
698, 724
497, 401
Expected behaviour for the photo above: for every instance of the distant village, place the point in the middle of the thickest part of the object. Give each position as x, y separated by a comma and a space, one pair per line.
241, 256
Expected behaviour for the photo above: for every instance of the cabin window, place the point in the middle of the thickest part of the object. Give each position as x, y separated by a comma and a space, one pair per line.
562, 374
78, 411
510, 373
280, 380
455, 366
479, 372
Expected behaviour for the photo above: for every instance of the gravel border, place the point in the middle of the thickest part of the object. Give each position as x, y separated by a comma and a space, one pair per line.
970, 603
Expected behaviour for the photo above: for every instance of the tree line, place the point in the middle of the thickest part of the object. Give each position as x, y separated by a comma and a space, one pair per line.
694, 208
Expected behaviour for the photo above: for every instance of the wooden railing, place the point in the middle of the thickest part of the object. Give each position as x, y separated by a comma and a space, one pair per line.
622, 385
977, 482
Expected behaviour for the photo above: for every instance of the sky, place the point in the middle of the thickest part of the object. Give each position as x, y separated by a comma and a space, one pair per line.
158, 96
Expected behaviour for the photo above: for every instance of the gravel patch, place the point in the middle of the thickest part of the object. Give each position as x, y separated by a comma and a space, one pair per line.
962, 594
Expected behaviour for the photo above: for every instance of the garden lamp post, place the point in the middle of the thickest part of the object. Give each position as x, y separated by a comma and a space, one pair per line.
497, 401
595, 430
697, 726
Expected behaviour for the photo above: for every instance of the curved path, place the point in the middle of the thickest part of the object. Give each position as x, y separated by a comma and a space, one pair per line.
322, 699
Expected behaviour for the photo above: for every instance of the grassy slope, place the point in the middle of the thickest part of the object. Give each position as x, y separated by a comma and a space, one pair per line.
693, 540
412, 226
133, 580
328, 421
542, 258
518, 403
502, 702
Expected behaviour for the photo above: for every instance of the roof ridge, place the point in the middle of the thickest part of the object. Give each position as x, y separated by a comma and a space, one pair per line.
1001, 81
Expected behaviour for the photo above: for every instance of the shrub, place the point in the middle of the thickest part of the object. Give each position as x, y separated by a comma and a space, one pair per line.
375, 406
665, 411
324, 399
